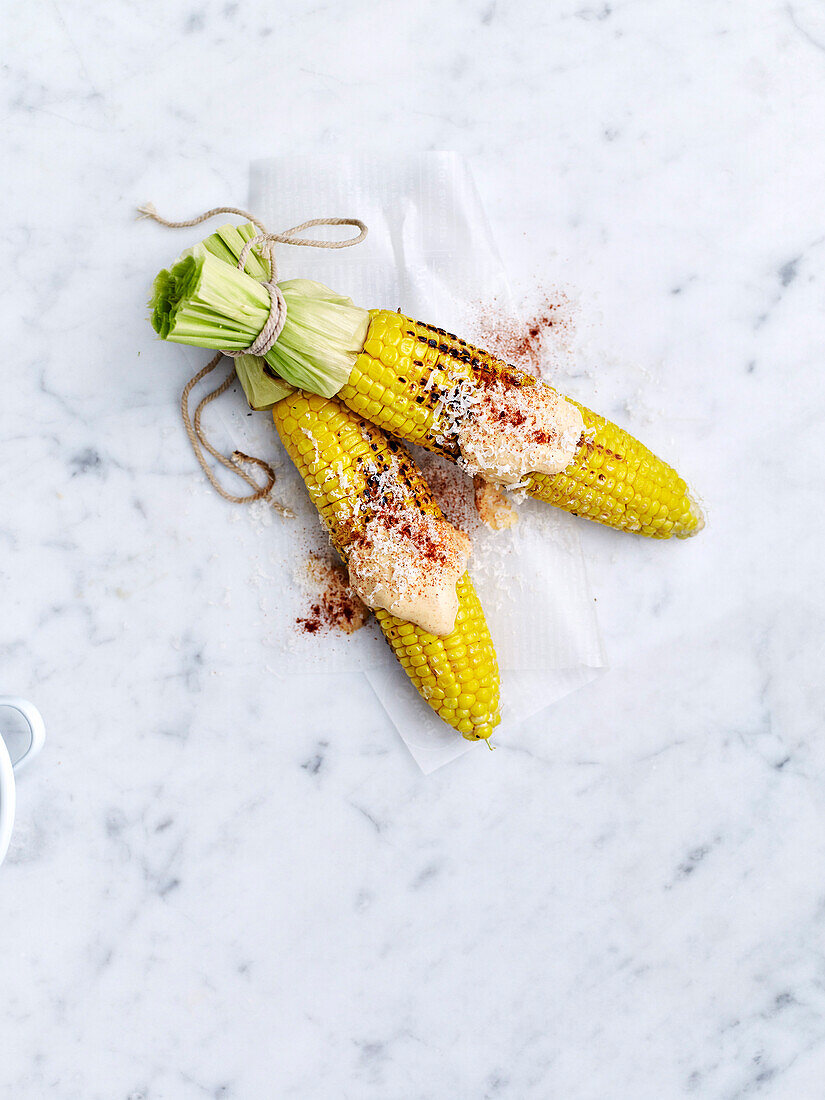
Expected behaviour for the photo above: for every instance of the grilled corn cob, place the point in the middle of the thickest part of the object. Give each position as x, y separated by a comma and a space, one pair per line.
344, 462
411, 379
409, 373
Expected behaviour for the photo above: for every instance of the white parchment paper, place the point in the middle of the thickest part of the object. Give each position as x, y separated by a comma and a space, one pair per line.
429, 252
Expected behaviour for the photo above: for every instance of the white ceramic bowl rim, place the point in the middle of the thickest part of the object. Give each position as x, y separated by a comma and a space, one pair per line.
7, 792
6, 799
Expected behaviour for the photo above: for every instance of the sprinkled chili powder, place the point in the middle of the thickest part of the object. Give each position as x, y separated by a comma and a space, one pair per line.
337, 607
526, 344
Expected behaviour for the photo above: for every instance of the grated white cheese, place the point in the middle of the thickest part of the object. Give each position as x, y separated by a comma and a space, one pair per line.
518, 430
409, 564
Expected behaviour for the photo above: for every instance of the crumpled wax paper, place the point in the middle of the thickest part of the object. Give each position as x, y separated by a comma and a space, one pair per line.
430, 253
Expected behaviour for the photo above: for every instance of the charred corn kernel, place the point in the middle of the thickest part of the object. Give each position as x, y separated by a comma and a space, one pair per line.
341, 458
406, 369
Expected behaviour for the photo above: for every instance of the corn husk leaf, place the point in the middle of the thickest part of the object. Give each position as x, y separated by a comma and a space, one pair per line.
204, 300
261, 389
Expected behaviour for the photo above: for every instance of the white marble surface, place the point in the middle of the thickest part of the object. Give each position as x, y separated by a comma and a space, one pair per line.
227, 884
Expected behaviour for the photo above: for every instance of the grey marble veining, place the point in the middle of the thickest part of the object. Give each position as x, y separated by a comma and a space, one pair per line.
227, 883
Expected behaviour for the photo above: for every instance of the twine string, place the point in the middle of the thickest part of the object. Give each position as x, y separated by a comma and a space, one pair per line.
274, 324
260, 345
200, 443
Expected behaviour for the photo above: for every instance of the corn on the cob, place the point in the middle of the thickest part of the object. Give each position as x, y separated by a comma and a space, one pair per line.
344, 462
413, 380
408, 374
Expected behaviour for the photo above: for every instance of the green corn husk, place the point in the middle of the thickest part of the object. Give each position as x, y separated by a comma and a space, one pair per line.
205, 301
228, 242
263, 391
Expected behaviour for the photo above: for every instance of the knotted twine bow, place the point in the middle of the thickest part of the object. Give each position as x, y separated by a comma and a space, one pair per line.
260, 345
